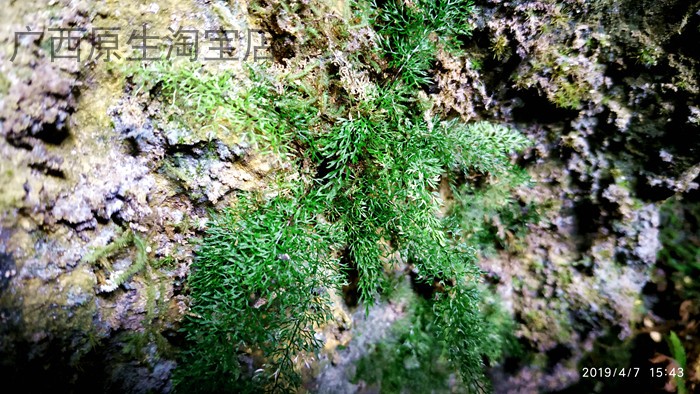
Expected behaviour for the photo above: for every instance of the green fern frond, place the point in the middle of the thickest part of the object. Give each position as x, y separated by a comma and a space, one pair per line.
256, 279
121, 242
253, 285
137, 265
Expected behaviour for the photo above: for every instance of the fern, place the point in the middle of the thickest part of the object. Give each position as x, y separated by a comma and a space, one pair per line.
488, 215
485, 147
124, 241
139, 263
218, 106
412, 33
112, 248
258, 283
411, 359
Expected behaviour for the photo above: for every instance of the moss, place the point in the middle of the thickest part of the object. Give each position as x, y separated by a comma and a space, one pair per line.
561, 76
258, 283
648, 56
565, 277
568, 95
68, 312
152, 284
121, 242
500, 47
371, 159
551, 320
174, 172
101, 255
61, 312
13, 193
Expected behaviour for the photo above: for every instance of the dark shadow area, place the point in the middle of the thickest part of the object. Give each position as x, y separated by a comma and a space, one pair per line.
351, 292
537, 108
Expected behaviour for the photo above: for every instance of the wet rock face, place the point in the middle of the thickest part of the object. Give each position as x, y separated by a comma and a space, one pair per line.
208, 168
118, 189
43, 91
609, 94
616, 73
82, 163
7, 270
39, 107
68, 187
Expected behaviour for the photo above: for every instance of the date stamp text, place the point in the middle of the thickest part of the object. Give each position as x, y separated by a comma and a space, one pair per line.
608, 372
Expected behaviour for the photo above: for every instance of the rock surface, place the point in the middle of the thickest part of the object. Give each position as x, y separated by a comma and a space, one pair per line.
608, 91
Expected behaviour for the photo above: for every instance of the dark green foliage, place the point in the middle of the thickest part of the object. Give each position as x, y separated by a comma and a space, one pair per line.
472, 329
385, 166
259, 282
416, 356
411, 359
393, 196
490, 215
412, 34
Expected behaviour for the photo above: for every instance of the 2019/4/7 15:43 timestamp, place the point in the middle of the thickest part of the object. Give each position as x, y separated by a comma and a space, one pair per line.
607, 372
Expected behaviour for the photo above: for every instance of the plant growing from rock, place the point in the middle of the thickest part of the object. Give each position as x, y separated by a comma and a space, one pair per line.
260, 282
259, 285
101, 256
